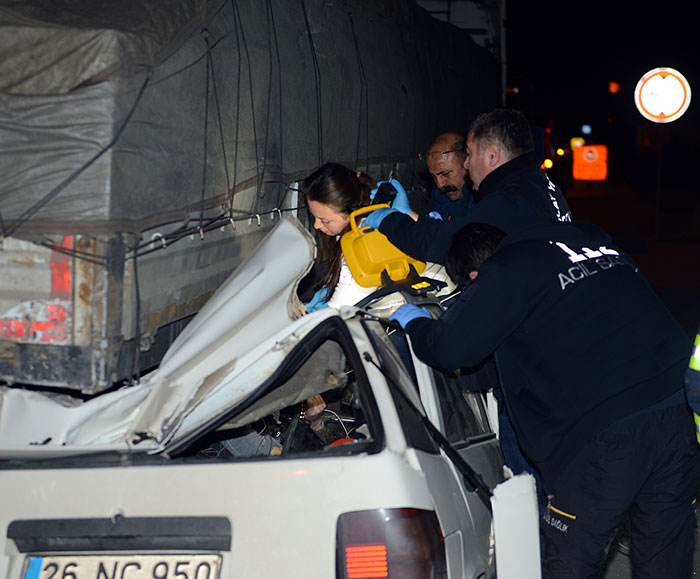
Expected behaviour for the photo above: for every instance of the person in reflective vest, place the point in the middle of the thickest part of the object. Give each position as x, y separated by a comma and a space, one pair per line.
692, 384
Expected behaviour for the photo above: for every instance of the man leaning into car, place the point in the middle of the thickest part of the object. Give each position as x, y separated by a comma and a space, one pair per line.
592, 371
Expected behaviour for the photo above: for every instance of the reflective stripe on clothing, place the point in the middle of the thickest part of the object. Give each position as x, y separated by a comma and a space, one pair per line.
692, 381
695, 358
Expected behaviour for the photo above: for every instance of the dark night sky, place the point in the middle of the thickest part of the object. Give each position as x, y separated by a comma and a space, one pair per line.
563, 50
562, 56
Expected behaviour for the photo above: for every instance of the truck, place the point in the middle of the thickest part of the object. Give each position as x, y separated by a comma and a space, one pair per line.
148, 147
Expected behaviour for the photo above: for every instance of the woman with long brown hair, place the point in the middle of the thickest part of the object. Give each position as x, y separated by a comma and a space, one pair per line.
333, 192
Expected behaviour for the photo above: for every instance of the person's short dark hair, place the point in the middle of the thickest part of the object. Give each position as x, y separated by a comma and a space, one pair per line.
469, 248
507, 128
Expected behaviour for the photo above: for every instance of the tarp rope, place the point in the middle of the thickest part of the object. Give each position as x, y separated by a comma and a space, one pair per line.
240, 29
205, 145
364, 96
319, 94
279, 95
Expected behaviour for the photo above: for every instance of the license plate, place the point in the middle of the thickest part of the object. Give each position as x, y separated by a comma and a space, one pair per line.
187, 566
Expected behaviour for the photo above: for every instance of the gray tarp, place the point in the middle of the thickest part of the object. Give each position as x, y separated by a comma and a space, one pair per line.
54, 46
261, 94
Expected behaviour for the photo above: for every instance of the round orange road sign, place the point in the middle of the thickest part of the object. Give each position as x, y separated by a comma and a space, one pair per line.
662, 95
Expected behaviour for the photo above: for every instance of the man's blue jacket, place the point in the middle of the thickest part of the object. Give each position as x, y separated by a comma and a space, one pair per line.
448, 209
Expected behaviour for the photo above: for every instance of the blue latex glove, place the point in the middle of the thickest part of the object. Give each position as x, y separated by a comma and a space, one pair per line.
319, 301
400, 202
375, 218
435, 215
408, 313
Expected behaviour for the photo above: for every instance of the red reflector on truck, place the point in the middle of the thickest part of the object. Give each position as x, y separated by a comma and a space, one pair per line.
60, 270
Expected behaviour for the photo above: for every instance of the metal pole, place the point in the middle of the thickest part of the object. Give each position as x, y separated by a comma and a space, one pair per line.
658, 183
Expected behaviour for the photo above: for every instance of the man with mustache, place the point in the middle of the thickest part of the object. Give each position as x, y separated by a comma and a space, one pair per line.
504, 169
451, 195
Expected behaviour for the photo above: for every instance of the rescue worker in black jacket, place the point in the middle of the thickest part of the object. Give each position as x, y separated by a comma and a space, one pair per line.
513, 191
592, 370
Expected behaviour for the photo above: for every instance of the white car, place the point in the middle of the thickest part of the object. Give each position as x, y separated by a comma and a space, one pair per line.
267, 444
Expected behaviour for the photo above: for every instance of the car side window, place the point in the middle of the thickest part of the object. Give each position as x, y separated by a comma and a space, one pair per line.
396, 362
463, 412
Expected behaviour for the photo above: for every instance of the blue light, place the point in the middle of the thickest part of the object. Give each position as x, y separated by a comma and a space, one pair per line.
586, 129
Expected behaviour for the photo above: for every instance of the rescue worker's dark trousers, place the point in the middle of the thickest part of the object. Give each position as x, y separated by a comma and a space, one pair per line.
646, 466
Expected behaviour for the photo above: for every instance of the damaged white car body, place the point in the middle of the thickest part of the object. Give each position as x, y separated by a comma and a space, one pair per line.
225, 348
267, 443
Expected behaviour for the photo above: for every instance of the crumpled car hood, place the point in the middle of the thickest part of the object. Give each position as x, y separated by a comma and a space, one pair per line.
226, 352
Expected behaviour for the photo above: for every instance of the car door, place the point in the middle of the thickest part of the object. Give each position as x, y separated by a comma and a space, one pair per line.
464, 422
464, 515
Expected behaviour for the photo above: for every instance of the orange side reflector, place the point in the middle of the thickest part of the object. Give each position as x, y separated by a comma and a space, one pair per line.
366, 562
590, 163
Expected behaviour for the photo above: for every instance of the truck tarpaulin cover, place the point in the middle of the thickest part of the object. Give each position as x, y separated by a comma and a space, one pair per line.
120, 116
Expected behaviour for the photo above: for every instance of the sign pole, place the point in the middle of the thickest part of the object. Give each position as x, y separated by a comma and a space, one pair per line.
657, 219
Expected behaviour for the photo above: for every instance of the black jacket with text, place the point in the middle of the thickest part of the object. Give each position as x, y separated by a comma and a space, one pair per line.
580, 338
515, 195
